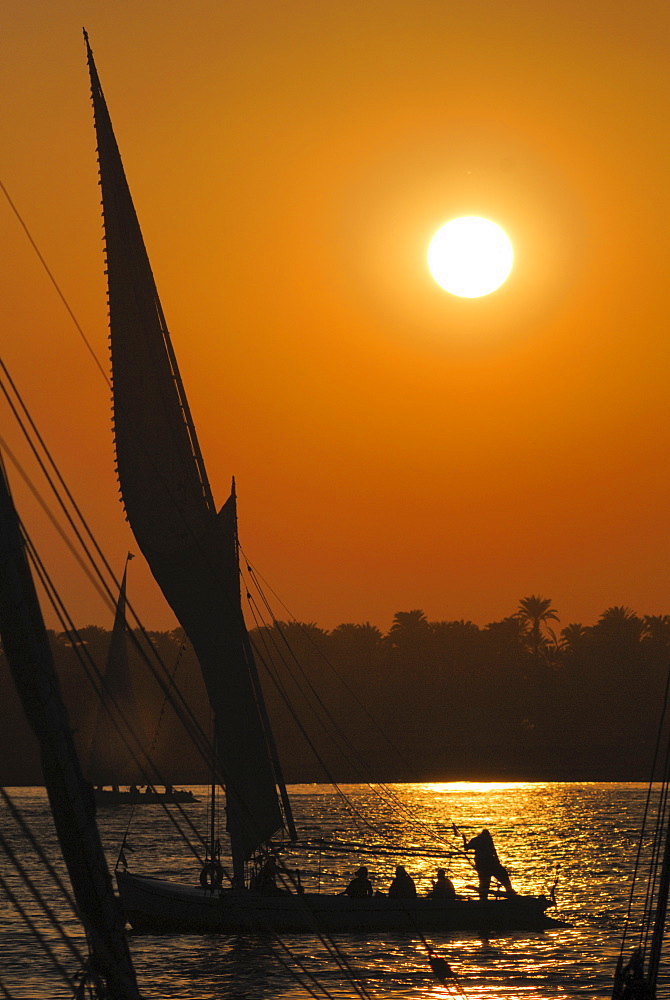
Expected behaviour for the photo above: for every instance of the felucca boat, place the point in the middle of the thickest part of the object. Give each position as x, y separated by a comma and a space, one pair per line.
192, 550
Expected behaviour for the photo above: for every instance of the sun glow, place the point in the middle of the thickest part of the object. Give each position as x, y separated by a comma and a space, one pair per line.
477, 787
470, 256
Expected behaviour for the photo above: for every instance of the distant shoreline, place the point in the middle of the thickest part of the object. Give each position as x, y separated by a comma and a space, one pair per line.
451, 779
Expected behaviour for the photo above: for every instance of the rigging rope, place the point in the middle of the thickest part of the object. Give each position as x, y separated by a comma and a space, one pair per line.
105, 588
192, 727
379, 788
54, 283
96, 680
659, 802
154, 662
313, 747
90, 668
255, 576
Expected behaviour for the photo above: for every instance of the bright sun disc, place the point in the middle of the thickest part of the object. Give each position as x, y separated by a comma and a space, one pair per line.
470, 256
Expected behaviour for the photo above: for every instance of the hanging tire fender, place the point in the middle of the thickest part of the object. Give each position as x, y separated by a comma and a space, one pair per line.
211, 875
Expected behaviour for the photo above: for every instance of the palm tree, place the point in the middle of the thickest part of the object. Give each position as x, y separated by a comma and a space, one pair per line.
657, 629
619, 624
456, 639
535, 612
572, 637
504, 641
407, 628
356, 641
409, 639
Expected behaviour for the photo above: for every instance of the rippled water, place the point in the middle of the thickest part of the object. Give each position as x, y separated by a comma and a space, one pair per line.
586, 833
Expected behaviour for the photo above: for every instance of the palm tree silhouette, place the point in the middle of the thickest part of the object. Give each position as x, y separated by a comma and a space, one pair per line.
408, 638
572, 637
619, 624
535, 612
657, 629
357, 641
407, 627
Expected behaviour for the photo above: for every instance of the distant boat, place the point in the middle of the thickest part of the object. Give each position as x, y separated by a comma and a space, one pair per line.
192, 550
144, 796
110, 970
111, 754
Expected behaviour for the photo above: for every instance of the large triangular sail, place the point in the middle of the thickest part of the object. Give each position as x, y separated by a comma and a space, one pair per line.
27, 649
191, 549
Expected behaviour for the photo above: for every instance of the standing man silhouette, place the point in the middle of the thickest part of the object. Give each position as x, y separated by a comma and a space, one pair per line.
487, 864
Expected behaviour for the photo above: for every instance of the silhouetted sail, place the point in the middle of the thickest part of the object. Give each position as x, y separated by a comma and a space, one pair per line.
27, 649
192, 550
111, 760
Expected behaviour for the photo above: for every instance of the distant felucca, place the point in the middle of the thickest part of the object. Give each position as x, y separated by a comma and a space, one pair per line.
192, 550
111, 758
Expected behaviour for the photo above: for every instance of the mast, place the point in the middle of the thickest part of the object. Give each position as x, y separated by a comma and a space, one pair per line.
26, 646
190, 548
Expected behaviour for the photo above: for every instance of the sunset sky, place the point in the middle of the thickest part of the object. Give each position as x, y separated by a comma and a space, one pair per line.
395, 447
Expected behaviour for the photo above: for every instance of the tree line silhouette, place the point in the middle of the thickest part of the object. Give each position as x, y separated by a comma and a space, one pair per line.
516, 699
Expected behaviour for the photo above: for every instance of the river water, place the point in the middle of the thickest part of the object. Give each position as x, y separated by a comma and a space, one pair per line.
583, 834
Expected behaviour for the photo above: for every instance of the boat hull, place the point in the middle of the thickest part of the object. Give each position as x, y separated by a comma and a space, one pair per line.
152, 905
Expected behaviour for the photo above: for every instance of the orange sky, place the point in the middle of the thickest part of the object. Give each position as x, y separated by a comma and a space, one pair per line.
394, 447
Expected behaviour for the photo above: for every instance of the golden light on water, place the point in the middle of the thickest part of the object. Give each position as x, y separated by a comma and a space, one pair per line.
580, 838
475, 787
470, 256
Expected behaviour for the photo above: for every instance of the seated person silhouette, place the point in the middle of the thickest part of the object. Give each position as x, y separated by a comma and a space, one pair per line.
402, 886
360, 886
443, 887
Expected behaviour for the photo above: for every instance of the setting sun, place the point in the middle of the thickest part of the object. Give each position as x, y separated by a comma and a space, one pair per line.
470, 256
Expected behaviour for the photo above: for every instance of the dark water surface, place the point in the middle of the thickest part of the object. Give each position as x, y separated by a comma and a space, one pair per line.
586, 833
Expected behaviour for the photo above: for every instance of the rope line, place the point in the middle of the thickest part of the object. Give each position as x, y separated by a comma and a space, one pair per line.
381, 789
54, 283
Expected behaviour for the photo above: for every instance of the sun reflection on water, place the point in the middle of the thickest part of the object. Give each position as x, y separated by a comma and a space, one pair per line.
584, 835
482, 787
